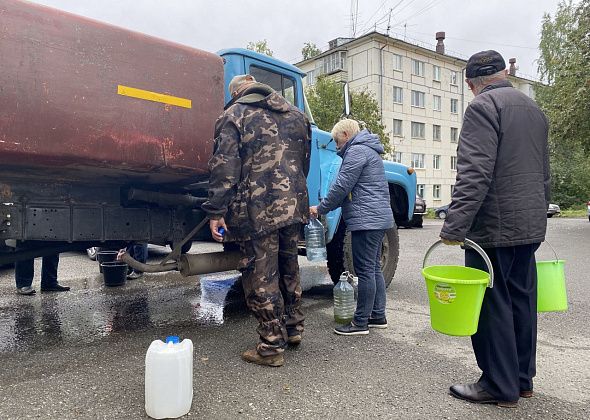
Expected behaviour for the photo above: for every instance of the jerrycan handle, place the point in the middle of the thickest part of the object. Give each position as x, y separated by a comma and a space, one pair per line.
471, 245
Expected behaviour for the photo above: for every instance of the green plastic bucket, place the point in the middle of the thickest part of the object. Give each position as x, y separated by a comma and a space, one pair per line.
551, 291
456, 293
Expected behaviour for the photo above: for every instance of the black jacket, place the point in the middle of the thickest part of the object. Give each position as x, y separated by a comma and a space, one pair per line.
502, 190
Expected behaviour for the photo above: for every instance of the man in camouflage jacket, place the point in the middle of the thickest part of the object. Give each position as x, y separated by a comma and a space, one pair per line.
258, 194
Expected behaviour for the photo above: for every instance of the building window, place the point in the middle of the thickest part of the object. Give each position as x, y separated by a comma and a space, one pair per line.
436, 192
397, 157
454, 135
418, 99
398, 95
333, 62
420, 189
418, 160
398, 128
310, 78
454, 163
436, 103
436, 132
454, 106
435, 161
453, 77
436, 73
418, 130
418, 68
397, 62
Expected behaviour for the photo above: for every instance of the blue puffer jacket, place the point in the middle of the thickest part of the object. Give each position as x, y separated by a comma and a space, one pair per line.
360, 187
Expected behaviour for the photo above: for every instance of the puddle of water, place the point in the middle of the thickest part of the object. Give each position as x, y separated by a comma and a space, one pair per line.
217, 295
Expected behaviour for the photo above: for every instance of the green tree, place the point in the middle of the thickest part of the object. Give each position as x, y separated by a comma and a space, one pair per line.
326, 100
260, 47
310, 50
564, 66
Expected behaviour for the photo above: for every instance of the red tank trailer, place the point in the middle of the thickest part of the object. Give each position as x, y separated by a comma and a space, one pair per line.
105, 133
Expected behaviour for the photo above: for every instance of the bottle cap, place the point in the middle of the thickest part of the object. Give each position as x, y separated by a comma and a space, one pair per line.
172, 339
221, 231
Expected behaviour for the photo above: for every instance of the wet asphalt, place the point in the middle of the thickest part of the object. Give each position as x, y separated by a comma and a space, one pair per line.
80, 355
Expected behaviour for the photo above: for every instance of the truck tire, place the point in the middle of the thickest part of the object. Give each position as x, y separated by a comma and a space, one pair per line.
340, 254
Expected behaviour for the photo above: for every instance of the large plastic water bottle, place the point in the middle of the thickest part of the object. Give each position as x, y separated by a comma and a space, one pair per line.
315, 241
344, 304
169, 378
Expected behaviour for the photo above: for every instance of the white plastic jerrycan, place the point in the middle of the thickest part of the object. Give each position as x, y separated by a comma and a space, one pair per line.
169, 378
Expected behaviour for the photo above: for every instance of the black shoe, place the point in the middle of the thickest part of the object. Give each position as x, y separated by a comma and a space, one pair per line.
476, 394
378, 323
351, 329
55, 288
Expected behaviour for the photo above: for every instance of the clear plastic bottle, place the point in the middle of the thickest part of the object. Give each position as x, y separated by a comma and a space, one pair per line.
315, 241
169, 378
344, 303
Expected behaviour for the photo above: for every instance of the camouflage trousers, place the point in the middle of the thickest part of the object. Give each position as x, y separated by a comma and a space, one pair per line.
272, 286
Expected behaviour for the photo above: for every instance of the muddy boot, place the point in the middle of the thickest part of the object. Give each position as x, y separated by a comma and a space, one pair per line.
252, 356
294, 340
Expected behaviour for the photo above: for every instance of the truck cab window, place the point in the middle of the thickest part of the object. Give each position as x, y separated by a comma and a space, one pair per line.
282, 84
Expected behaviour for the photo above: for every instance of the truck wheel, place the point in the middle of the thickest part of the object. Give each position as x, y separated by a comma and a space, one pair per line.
418, 222
339, 262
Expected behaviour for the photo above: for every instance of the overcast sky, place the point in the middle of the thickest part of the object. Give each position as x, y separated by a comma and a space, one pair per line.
510, 27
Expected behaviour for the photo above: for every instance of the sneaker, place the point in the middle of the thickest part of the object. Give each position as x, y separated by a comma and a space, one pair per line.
351, 329
55, 288
134, 275
252, 356
27, 291
378, 323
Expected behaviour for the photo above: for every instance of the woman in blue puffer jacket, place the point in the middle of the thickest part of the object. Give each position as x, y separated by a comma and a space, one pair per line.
361, 190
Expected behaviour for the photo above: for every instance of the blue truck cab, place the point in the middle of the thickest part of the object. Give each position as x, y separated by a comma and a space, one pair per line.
325, 163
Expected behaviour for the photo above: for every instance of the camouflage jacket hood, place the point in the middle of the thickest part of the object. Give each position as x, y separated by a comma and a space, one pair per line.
260, 164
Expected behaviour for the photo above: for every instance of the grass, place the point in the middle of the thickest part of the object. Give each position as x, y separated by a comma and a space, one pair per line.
573, 213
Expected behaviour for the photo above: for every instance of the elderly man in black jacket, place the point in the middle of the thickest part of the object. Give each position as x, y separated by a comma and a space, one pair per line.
500, 201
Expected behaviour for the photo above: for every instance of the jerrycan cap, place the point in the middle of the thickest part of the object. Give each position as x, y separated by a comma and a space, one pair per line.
172, 339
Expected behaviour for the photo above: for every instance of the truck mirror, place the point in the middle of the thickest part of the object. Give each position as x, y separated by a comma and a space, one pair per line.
346, 100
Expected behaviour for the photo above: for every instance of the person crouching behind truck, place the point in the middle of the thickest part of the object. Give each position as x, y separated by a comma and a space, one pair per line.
258, 194
361, 190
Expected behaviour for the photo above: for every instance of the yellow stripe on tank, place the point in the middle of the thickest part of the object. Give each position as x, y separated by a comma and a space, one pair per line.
153, 96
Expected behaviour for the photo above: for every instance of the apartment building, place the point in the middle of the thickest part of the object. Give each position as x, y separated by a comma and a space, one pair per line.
422, 96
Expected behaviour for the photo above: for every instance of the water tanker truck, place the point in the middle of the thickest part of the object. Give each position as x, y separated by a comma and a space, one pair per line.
105, 136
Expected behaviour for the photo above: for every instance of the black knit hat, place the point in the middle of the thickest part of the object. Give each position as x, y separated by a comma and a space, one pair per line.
484, 63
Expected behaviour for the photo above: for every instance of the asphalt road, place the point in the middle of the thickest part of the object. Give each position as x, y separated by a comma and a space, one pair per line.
80, 355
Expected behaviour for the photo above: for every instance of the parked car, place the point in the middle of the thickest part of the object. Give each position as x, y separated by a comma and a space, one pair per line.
552, 210
442, 211
418, 217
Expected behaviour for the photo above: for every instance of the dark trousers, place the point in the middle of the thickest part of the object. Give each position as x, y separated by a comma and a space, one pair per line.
366, 255
272, 286
506, 339
24, 271
138, 251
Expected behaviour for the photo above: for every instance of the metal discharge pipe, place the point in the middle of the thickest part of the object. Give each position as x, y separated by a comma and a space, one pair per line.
191, 264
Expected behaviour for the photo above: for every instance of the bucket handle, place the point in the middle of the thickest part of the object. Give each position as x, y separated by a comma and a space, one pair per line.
471, 245
552, 249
